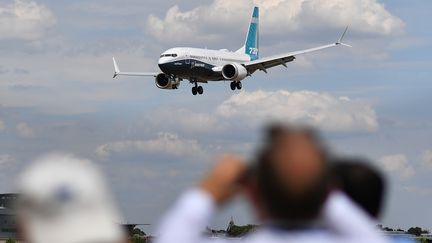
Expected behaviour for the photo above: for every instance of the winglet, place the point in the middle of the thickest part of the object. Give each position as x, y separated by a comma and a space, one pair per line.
340, 41
116, 68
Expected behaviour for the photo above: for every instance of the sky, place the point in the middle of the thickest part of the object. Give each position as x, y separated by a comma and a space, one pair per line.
57, 94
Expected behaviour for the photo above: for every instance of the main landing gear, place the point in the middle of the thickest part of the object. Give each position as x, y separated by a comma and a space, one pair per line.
236, 85
197, 89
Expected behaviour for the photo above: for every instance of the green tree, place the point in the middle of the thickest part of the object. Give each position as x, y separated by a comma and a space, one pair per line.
238, 231
138, 239
417, 231
138, 231
10, 240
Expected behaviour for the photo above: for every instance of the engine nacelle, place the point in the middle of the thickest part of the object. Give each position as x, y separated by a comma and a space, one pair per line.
234, 71
164, 81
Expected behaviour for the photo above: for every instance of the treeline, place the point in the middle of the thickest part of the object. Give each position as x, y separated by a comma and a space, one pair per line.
239, 231
416, 231
233, 230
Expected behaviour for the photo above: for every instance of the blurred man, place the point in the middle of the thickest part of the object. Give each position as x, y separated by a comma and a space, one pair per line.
361, 182
288, 188
66, 200
287, 183
364, 184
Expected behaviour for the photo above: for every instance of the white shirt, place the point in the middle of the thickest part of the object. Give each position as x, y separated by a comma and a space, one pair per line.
193, 211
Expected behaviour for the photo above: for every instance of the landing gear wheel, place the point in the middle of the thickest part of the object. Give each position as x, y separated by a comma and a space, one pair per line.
194, 90
233, 86
200, 90
239, 85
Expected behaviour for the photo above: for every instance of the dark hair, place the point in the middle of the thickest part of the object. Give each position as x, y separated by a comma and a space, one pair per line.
364, 184
281, 201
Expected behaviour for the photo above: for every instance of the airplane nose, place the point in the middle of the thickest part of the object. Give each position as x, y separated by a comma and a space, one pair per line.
163, 65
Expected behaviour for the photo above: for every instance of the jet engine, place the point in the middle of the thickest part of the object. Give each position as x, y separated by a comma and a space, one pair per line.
234, 71
164, 81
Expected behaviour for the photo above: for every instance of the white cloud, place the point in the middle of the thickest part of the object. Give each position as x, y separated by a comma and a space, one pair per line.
25, 20
278, 16
249, 110
189, 120
88, 69
398, 164
165, 143
24, 130
427, 158
318, 109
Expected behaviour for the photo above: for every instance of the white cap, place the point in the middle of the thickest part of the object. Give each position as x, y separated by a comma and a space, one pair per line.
66, 200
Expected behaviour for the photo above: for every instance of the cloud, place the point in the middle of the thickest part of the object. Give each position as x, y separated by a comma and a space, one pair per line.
427, 158
24, 20
187, 120
24, 130
88, 70
418, 190
249, 110
278, 17
6, 159
165, 144
23, 87
398, 164
318, 109
2, 126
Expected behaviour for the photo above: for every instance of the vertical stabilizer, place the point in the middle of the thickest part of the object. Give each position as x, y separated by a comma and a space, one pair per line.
251, 46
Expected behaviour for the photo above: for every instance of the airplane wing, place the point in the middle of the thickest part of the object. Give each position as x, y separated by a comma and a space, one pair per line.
117, 72
268, 62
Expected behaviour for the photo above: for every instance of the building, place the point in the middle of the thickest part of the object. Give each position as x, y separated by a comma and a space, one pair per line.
8, 227
231, 224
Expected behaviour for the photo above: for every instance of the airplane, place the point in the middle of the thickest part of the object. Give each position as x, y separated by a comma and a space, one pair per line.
203, 65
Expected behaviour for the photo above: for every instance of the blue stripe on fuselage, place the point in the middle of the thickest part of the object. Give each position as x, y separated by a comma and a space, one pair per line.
191, 68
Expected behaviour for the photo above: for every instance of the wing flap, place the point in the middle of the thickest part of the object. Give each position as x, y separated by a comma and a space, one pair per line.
282, 59
263, 66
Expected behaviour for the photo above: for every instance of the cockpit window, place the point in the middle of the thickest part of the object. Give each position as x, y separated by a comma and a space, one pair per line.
168, 55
